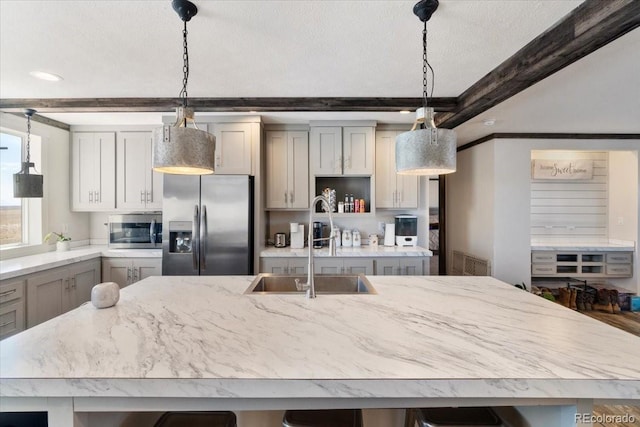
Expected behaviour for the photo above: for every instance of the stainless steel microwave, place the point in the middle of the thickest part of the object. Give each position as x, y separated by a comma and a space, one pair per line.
135, 231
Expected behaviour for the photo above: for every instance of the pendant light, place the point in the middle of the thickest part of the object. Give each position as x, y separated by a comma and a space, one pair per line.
26, 184
425, 149
180, 149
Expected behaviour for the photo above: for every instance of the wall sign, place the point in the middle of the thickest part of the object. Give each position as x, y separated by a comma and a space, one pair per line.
563, 169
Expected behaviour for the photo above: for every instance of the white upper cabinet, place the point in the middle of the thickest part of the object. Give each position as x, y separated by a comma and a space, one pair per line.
342, 150
392, 190
287, 163
234, 147
139, 187
93, 168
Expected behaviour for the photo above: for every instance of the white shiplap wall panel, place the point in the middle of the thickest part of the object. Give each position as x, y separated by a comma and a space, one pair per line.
574, 210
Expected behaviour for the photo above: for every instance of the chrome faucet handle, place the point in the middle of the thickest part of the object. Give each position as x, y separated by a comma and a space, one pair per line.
302, 286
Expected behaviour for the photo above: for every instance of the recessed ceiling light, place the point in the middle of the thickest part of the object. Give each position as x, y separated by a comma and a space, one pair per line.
405, 111
489, 122
46, 76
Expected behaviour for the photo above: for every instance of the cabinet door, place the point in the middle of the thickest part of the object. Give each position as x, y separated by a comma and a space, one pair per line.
387, 267
84, 276
47, 294
407, 191
274, 265
298, 266
117, 270
386, 169
233, 149
93, 171
277, 165
358, 266
411, 266
298, 169
326, 151
146, 267
329, 265
12, 307
358, 150
134, 169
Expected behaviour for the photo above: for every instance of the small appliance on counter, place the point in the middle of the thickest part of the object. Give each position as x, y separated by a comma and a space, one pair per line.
296, 235
280, 240
317, 234
406, 230
389, 234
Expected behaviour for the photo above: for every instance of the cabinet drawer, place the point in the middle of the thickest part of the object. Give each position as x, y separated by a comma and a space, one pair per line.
543, 257
543, 269
11, 319
619, 258
11, 291
619, 270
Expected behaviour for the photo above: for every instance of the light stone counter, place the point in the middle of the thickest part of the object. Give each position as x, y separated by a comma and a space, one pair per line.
34, 263
421, 340
362, 251
612, 245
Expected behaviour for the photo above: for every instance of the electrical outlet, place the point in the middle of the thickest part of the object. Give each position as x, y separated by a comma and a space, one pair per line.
381, 227
65, 228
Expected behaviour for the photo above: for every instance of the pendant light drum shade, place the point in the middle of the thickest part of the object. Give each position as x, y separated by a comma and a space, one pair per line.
429, 151
183, 150
27, 184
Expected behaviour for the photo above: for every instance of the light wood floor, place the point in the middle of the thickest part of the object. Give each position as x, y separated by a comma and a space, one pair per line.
629, 322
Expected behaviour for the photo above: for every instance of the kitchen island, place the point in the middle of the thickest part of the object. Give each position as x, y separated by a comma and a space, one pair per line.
200, 343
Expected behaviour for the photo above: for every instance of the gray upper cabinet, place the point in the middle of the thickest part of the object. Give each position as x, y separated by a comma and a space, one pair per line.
336, 150
287, 164
139, 187
93, 170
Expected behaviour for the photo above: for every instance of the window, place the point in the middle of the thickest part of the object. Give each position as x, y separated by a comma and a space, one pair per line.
12, 212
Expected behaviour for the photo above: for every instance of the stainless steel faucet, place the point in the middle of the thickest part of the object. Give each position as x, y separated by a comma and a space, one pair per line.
310, 285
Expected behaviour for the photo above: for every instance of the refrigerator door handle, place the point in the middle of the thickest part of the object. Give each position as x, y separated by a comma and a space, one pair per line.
195, 232
203, 238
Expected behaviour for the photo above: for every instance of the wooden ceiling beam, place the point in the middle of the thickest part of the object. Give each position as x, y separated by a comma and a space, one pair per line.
587, 28
244, 105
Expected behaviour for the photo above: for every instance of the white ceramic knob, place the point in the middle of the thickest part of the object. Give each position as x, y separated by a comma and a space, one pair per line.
105, 294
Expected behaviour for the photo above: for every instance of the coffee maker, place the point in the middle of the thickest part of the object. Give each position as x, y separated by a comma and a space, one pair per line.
406, 230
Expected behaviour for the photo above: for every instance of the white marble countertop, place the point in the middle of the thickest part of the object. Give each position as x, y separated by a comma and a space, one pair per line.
612, 245
362, 251
419, 337
14, 267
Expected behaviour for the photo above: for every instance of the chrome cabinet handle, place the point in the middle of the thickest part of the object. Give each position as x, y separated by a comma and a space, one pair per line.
149, 199
218, 162
203, 238
141, 196
90, 196
291, 198
349, 162
135, 274
66, 284
285, 198
195, 231
97, 196
285, 270
128, 275
340, 165
73, 283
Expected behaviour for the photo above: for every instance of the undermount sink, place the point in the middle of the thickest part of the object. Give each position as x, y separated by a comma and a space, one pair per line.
325, 284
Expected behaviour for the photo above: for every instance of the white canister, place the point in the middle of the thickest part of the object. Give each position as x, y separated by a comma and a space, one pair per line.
373, 240
346, 238
356, 239
337, 236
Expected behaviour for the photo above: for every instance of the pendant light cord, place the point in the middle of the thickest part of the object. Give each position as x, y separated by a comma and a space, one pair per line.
28, 139
426, 67
185, 67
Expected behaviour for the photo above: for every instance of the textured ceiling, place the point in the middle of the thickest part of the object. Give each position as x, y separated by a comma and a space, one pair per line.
275, 49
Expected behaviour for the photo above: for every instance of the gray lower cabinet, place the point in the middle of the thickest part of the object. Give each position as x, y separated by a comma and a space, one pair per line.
292, 266
125, 271
58, 290
411, 266
12, 307
336, 265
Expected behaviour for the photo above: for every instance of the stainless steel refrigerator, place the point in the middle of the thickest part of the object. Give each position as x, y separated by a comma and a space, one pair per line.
207, 224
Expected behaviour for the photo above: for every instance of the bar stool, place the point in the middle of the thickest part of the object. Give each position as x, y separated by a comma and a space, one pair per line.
197, 419
323, 418
453, 417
